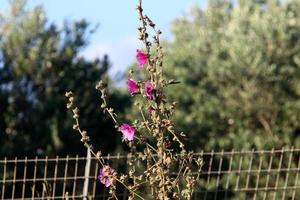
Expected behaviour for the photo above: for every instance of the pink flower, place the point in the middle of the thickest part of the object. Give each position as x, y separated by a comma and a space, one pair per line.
106, 175
151, 109
141, 58
148, 90
127, 131
132, 86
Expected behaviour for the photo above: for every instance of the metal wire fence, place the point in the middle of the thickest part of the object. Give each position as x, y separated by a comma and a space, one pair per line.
267, 175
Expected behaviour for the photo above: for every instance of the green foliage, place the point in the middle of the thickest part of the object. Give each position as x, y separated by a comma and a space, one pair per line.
239, 67
39, 62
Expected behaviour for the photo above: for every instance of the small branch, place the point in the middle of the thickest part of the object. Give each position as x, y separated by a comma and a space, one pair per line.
176, 138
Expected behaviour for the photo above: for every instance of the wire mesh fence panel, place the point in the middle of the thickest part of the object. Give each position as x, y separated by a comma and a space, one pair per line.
41, 178
233, 175
255, 175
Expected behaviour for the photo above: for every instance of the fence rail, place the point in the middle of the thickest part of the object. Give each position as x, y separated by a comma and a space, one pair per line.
256, 174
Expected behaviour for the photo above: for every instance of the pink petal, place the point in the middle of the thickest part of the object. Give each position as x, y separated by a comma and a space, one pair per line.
148, 90
104, 173
133, 87
141, 58
127, 131
107, 183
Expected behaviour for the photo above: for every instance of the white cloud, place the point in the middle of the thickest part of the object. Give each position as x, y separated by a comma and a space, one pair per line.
121, 53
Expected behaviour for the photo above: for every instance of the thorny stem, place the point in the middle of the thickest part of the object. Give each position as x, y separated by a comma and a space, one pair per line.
151, 147
112, 116
145, 121
144, 25
114, 195
160, 128
111, 113
130, 190
85, 140
86, 143
178, 175
144, 37
156, 77
176, 138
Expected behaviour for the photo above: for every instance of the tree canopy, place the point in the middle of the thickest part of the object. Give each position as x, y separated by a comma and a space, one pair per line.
239, 68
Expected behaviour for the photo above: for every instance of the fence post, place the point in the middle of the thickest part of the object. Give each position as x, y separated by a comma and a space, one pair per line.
86, 175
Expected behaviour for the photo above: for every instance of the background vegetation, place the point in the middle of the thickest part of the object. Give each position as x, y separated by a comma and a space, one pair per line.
38, 63
238, 64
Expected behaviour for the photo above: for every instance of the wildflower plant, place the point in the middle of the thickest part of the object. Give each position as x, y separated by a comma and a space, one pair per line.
170, 170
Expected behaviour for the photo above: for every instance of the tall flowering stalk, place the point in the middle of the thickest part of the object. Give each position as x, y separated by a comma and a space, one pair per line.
168, 165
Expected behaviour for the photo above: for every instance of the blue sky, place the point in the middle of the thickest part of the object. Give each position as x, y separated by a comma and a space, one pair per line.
116, 34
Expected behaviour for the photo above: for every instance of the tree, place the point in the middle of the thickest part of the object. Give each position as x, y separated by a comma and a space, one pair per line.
238, 65
39, 62
239, 68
